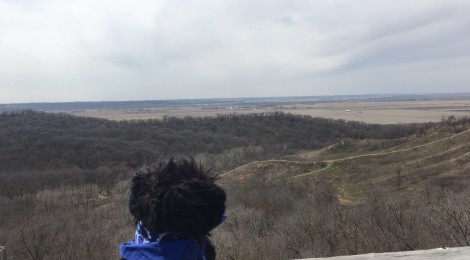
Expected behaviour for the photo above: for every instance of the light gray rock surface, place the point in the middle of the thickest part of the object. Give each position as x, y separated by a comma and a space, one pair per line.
455, 253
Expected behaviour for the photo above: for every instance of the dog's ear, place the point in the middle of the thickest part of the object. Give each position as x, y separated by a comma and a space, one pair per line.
138, 189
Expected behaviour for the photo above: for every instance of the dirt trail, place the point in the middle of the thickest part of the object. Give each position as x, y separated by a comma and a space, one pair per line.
329, 163
401, 150
266, 161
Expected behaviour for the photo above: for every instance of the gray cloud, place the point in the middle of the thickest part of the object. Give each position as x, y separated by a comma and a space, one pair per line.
119, 50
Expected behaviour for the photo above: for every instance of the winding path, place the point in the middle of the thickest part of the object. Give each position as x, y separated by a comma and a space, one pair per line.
329, 163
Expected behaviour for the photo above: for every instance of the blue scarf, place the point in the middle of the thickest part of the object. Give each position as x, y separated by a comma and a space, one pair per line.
160, 247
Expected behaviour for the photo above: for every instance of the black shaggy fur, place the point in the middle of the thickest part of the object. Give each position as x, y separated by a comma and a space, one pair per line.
178, 197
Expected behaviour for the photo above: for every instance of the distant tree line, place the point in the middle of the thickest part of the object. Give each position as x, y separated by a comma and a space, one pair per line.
32, 140
45, 150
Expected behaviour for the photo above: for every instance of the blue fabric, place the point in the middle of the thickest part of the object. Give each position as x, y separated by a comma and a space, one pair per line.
143, 236
162, 250
160, 247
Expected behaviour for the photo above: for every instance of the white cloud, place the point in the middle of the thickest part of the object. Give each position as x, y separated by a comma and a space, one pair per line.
53, 50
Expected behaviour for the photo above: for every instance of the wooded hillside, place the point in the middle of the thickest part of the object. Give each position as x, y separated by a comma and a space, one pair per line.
64, 179
38, 141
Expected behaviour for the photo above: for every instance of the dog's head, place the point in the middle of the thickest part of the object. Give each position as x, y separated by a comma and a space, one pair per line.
177, 197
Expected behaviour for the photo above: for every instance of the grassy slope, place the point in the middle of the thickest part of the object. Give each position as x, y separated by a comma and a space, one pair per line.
439, 157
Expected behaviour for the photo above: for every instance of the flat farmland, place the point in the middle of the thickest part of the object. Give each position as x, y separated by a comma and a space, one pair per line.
380, 112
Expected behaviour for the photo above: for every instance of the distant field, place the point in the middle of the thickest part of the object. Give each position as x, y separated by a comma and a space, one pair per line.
383, 112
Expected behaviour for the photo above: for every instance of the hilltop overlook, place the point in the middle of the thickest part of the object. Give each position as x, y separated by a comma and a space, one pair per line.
297, 186
321, 128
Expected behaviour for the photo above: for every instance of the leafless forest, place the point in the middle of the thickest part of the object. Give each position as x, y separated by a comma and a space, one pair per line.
64, 184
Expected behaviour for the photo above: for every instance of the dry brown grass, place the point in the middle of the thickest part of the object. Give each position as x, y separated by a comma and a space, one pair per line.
358, 166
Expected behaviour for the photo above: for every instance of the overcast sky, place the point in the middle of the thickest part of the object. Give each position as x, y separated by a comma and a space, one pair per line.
83, 50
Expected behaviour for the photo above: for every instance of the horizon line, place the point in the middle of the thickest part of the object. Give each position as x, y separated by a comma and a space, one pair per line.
246, 97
